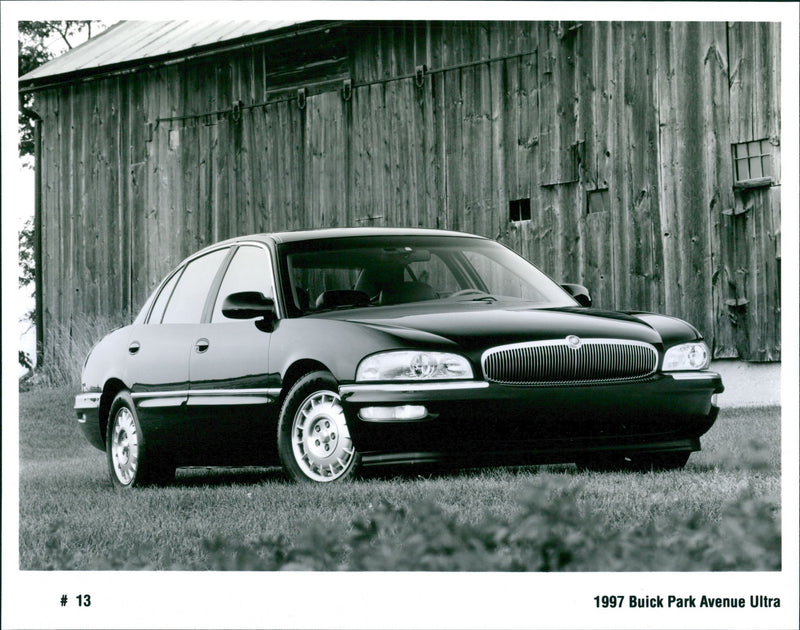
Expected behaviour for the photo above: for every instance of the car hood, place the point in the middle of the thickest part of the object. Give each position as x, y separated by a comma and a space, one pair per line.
475, 325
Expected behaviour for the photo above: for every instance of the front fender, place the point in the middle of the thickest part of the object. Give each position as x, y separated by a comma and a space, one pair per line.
103, 362
339, 345
671, 329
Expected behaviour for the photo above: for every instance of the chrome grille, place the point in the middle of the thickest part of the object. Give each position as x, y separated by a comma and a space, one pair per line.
556, 362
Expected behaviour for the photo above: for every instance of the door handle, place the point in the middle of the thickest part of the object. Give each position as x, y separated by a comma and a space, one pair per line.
201, 345
134, 347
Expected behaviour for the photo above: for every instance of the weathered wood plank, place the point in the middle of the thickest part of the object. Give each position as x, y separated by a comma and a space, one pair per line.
396, 158
276, 189
71, 213
95, 223
295, 169
634, 283
439, 111
453, 135
526, 141
501, 97
691, 199
50, 226
599, 252
485, 149
122, 164
116, 251
431, 166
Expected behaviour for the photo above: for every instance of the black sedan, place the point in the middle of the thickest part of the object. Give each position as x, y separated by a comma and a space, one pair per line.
325, 350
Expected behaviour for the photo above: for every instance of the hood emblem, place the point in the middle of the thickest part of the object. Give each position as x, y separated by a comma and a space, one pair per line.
574, 342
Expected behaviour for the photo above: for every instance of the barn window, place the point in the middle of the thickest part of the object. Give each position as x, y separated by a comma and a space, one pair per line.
752, 164
519, 209
597, 201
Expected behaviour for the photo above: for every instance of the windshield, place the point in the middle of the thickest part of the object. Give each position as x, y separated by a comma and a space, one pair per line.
357, 272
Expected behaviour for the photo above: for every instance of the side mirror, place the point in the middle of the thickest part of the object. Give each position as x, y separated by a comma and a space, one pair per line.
579, 292
249, 305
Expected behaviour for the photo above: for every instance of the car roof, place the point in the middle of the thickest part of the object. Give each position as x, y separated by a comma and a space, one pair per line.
311, 235
308, 235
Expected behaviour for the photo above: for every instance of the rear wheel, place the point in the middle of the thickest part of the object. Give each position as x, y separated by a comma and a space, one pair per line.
314, 442
131, 460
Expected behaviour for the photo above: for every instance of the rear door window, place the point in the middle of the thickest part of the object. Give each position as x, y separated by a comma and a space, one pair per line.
189, 297
161, 301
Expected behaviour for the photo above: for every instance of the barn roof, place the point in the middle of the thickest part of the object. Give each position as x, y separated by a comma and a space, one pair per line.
129, 44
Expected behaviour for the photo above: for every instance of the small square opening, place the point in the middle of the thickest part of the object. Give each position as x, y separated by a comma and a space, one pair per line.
519, 210
597, 201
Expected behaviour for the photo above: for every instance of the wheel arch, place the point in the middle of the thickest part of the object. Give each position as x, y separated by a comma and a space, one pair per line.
112, 387
296, 371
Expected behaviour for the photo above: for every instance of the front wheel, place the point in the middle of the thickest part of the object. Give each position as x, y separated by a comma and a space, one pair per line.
131, 460
314, 442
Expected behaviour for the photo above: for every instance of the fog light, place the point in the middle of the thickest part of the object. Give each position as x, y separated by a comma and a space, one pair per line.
714, 399
82, 418
390, 414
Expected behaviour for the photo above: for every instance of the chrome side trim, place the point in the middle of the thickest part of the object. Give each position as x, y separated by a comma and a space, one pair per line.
269, 392
411, 388
225, 397
87, 401
692, 376
169, 394
160, 403
227, 401
255, 391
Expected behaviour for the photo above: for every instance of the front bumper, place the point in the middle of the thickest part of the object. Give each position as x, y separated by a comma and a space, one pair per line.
549, 423
87, 408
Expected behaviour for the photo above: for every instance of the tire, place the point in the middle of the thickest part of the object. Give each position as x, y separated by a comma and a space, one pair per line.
643, 462
314, 442
132, 461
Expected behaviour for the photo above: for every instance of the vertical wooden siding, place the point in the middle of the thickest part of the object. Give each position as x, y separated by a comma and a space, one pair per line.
752, 232
640, 115
695, 177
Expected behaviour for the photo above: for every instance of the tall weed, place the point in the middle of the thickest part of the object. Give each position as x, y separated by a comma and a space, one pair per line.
67, 346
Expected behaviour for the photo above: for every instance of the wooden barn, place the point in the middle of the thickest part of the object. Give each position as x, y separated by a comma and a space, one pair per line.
641, 159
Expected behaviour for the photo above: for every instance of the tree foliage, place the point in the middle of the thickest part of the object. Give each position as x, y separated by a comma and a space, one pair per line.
38, 43
27, 269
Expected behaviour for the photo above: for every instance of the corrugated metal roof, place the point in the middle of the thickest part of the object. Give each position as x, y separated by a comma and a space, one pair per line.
130, 42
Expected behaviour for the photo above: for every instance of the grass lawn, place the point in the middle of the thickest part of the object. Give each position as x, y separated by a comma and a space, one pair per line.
721, 513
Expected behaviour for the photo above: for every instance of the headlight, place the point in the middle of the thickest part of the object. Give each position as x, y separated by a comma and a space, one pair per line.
413, 366
687, 356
